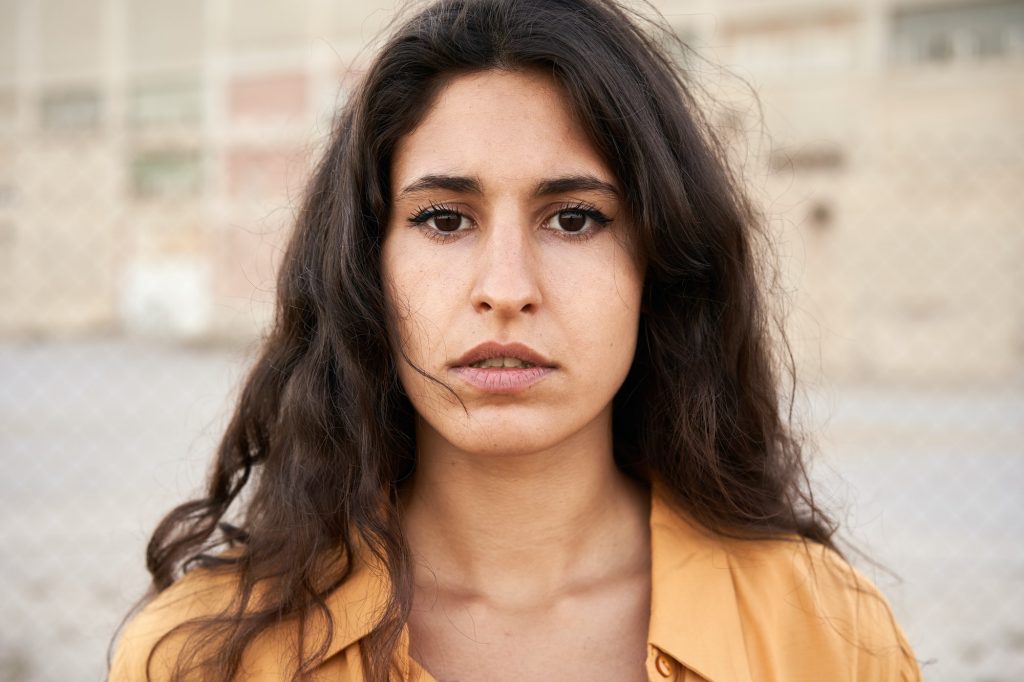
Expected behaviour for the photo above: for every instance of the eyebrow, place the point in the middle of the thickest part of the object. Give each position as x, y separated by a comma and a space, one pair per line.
470, 185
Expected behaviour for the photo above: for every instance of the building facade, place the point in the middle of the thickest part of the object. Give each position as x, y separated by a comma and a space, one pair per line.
152, 156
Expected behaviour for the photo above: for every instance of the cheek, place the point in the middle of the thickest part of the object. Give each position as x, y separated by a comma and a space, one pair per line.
416, 293
602, 297
610, 337
622, 316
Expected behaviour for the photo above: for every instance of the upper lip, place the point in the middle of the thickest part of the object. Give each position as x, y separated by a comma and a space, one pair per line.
493, 349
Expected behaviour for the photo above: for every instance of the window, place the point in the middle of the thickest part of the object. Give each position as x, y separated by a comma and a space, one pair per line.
273, 97
808, 158
162, 105
958, 33
786, 44
991, 41
166, 173
263, 172
938, 47
71, 110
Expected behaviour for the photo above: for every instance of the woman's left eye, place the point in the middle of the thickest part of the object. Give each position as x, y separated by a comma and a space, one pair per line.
578, 221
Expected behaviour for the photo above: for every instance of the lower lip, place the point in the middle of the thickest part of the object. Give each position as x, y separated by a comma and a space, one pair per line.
502, 381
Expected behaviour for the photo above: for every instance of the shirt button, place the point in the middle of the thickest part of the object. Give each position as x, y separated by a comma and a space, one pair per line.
663, 664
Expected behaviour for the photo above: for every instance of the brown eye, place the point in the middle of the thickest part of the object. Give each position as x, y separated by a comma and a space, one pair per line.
447, 222
572, 221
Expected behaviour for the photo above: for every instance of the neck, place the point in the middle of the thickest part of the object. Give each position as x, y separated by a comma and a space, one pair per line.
523, 527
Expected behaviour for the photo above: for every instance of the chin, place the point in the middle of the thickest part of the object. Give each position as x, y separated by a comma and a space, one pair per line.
504, 432
502, 444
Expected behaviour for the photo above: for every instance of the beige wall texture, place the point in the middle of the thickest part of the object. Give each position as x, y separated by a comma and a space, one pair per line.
152, 154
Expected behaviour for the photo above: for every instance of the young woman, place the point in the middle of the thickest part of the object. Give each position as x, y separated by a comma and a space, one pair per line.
518, 415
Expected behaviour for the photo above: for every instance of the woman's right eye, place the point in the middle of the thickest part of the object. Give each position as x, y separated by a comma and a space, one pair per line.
446, 222
440, 221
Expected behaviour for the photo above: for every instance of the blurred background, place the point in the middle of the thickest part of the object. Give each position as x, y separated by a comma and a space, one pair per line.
151, 158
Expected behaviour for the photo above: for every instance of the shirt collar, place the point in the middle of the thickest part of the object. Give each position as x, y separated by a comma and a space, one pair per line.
695, 616
356, 606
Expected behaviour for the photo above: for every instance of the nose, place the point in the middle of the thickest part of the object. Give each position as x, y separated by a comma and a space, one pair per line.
506, 280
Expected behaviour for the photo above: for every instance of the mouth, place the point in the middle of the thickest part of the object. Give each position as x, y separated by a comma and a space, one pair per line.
493, 355
502, 369
501, 363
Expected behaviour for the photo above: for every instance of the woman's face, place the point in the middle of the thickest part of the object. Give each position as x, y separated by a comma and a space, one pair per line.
508, 238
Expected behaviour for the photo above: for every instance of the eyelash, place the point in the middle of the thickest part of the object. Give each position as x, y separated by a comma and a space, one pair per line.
432, 210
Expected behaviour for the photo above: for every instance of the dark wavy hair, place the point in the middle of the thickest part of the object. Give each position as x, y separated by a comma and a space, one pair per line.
322, 437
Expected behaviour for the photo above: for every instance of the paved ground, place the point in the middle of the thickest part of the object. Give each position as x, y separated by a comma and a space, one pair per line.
98, 438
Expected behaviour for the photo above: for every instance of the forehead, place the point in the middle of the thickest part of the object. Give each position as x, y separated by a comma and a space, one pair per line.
500, 126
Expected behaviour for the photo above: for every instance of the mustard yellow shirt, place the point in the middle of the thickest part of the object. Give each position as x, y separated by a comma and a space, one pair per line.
722, 610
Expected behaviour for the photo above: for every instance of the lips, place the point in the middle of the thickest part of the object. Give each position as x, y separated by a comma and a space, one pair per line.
502, 380
492, 350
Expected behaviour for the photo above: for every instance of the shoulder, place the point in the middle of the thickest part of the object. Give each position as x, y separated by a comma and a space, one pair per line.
797, 571
806, 585
161, 635
149, 645
817, 610
784, 608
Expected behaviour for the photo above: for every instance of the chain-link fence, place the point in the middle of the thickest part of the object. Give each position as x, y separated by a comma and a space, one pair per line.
103, 435
142, 213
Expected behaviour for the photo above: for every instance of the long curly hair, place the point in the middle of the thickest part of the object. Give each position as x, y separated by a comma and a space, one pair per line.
322, 437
